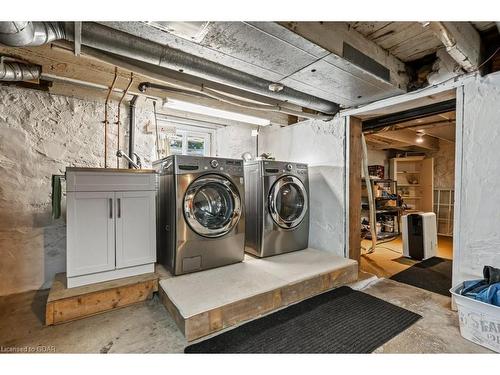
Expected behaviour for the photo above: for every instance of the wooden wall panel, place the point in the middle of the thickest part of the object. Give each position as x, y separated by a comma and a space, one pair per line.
355, 154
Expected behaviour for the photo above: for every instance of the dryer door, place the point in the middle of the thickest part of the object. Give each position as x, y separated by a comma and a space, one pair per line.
288, 202
212, 205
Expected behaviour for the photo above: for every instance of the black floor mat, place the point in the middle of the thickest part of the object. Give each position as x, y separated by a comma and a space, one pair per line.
340, 321
433, 274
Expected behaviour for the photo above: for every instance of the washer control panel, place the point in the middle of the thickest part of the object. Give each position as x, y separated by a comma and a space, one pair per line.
196, 164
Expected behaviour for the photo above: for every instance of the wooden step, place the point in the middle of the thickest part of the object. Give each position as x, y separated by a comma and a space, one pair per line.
65, 304
206, 302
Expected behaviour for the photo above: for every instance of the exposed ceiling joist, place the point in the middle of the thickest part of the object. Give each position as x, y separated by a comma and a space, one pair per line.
408, 136
380, 143
446, 133
462, 42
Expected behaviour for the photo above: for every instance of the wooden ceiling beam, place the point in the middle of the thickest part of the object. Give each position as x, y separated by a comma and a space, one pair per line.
462, 42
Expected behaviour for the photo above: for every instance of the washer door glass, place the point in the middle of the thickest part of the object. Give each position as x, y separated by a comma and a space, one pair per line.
288, 202
212, 206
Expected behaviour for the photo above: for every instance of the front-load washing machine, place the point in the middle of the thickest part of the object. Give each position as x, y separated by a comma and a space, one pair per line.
277, 207
200, 212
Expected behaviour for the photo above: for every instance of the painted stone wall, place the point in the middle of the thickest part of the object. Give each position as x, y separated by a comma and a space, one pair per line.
378, 157
444, 165
321, 145
41, 134
479, 233
233, 141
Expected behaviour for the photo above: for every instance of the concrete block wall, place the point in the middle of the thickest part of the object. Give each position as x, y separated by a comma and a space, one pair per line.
321, 145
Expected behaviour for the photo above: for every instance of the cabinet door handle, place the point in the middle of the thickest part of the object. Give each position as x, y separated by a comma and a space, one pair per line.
119, 208
110, 208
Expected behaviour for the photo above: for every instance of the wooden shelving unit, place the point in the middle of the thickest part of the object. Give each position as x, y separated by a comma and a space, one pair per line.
414, 176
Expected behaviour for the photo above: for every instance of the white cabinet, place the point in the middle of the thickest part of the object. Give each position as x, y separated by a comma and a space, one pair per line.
135, 228
90, 233
110, 233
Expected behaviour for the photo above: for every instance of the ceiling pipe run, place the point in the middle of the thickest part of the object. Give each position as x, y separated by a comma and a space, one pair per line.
207, 93
119, 43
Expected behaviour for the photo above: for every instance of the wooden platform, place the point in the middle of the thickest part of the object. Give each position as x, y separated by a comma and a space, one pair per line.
205, 302
65, 304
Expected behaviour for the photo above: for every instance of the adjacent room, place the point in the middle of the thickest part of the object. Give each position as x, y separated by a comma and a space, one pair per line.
411, 165
249, 187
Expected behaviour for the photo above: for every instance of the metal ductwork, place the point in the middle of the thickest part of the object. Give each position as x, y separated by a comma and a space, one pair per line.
123, 44
17, 71
27, 33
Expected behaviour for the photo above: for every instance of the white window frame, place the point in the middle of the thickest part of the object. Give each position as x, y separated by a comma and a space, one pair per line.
185, 131
185, 134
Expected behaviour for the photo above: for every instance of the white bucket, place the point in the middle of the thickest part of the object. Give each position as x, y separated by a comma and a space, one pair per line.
479, 321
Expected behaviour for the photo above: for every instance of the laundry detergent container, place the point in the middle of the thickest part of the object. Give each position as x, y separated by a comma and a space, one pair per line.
479, 321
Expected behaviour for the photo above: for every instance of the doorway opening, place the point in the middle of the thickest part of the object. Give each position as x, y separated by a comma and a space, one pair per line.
411, 164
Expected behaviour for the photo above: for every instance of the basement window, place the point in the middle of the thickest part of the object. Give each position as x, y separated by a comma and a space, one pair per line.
184, 140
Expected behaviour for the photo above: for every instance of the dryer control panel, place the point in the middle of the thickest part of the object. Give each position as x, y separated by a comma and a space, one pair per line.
272, 167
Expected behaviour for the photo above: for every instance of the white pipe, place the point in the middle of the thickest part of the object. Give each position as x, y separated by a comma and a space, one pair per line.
262, 107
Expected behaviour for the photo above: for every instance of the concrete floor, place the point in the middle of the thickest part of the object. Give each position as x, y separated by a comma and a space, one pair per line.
387, 260
147, 328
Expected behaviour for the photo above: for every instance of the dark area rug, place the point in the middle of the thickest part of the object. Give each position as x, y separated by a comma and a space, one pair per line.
433, 274
339, 321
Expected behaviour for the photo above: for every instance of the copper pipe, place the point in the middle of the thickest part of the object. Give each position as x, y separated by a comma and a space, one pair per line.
106, 119
118, 122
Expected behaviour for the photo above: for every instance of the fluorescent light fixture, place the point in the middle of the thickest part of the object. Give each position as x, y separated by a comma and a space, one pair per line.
203, 110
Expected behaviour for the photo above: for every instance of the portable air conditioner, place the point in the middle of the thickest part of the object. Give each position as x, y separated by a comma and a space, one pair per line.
419, 235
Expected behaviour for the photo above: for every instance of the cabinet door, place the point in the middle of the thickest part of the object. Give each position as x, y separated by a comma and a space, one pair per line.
91, 232
135, 228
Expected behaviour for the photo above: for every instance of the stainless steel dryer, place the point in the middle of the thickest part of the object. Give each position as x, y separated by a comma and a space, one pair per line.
200, 215
277, 207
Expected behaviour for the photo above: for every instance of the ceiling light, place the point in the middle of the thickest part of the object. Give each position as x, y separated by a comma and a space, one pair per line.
420, 136
203, 110
276, 87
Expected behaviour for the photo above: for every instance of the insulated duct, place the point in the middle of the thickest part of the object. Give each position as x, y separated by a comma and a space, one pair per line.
16, 71
27, 33
123, 44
